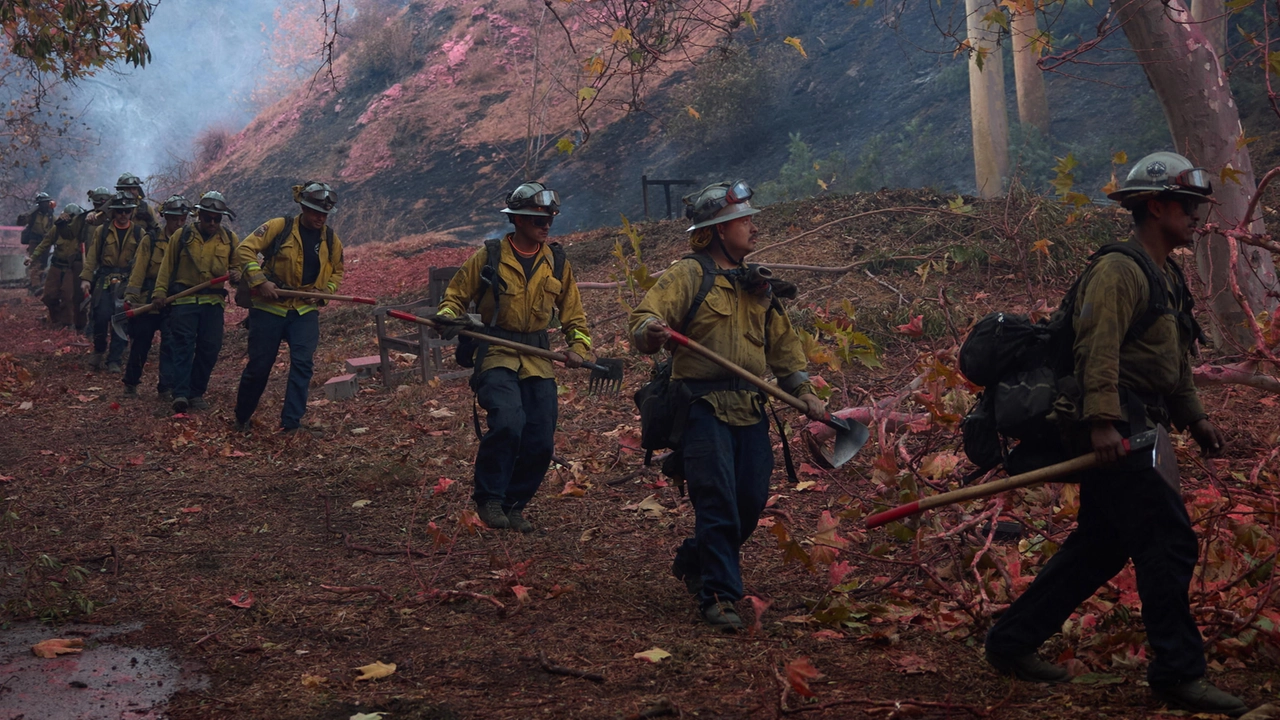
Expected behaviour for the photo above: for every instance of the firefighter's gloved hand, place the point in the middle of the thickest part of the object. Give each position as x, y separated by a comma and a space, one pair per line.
1208, 436
85, 287
814, 408
449, 326
572, 360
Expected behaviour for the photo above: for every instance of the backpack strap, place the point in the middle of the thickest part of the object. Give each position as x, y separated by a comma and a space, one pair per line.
1158, 304
490, 280
709, 272
557, 260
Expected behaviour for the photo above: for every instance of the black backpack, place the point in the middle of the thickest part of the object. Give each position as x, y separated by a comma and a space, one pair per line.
1027, 372
470, 352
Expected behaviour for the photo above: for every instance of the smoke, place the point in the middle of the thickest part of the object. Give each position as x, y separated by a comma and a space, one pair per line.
208, 62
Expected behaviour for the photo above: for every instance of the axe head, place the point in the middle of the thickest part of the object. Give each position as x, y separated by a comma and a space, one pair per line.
1152, 451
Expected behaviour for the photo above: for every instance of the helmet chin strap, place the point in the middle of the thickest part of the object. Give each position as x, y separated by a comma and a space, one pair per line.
725, 251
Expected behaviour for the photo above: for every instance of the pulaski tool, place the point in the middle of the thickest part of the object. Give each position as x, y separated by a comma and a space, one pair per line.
1148, 451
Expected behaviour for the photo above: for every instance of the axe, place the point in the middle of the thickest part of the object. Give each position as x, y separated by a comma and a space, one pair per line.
132, 312
851, 435
1147, 451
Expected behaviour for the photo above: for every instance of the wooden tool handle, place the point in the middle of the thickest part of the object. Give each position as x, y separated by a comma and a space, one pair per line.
526, 349
303, 294
734, 368
132, 312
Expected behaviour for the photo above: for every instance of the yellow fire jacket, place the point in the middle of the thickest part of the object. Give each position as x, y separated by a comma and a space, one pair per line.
65, 239
285, 268
731, 322
526, 306
146, 267
112, 248
190, 259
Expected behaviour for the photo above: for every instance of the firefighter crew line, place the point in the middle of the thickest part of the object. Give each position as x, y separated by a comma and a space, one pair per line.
711, 312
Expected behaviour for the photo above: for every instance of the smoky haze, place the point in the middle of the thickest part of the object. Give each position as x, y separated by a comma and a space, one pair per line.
207, 60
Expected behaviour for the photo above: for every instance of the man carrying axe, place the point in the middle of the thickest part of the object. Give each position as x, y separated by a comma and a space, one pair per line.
516, 282
142, 281
717, 300
287, 253
1131, 384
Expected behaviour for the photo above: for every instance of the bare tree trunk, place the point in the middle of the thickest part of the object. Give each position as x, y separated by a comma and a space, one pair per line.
1033, 105
1183, 69
986, 101
1212, 16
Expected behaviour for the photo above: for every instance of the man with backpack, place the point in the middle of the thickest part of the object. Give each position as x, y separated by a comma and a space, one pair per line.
37, 226
62, 283
287, 253
142, 281
517, 282
714, 298
197, 253
108, 261
1133, 337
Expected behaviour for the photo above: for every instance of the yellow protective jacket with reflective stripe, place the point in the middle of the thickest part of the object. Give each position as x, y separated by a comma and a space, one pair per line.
194, 261
112, 248
285, 268
526, 306
731, 322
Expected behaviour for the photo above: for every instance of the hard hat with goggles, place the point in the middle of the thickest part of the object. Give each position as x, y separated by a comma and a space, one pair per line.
718, 203
122, 201
1164, 175
214, 202
533, 198
318, 196
176, 205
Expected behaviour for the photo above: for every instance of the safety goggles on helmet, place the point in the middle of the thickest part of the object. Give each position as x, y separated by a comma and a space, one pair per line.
533, 199
214, 202
708, 205
1195, 180
43, 197
318, 196
122, 202
175, 205
72, 210
128, 180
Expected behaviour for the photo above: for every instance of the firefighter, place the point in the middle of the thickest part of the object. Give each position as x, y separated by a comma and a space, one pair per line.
108, 261
288, 253
195, 254
713, 297
516, 282
142, 281
62, 293
38, 224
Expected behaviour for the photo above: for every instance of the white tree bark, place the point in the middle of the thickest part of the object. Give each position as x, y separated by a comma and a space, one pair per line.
1033, 104
986, 101
1183, 69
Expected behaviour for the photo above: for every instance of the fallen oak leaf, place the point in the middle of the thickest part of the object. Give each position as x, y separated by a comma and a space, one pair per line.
799, 672
57, 646
650, 506
521, 593
915, 328
243, 600
375, 670
442, 485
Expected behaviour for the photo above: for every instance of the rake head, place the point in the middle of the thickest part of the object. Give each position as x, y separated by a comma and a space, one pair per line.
606, 377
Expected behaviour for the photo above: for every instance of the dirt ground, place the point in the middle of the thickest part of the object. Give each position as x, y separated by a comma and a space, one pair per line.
356, 545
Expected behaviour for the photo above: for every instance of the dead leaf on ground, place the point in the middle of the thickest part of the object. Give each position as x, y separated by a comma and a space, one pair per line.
589, 534
359, 430
654, 656
360, 503
26, 405
375, 670
912, 664
650, 506
442, 485
57, 646
799, 672
243, 600
368, 716
442, 413
194, 509
573, 489
313, 681
86, 398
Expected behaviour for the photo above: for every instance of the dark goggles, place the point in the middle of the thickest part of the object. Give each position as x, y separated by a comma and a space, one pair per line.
1196, 180
210, 217
541, 221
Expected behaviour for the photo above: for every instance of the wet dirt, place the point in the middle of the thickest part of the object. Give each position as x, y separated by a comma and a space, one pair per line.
105, 681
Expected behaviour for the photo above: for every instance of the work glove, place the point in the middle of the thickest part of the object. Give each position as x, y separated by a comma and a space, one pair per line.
815, 409
449, 326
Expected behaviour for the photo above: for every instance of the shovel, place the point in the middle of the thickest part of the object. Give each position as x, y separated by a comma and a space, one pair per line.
606, 373
141, 309
851, 435
1150, 450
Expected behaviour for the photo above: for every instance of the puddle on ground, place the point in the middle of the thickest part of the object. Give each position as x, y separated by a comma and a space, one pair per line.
103, 682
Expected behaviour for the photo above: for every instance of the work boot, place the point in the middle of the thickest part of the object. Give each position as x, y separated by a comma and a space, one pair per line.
131, 391
491, 514
1029, 667
1198, 696
724, 616
180, 404
516, 519
242, 427
199, 403
691, 578
95, 361
114, 368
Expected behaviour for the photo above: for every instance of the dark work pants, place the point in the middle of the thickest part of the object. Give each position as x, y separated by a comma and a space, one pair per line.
727, 469
266, 332
142, 331
1124, 515
104, 306
516, 450
197, 339
62, 295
